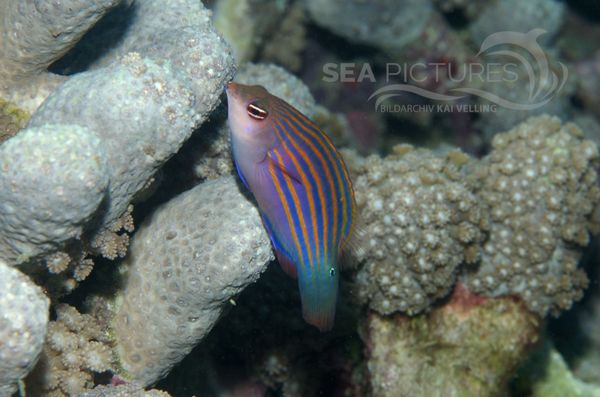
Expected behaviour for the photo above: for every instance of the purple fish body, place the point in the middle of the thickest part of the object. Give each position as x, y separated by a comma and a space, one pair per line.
302, 188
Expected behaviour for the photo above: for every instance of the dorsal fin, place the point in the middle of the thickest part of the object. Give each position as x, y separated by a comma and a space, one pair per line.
351, 249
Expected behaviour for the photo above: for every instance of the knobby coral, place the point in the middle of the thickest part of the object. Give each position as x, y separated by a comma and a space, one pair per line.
539, 186
420, 221
519, 218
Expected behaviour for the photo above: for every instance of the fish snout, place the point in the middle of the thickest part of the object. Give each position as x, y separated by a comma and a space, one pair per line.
231, 87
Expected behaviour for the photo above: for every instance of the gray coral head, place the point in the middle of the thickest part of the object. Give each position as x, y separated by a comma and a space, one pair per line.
65, 164
23, 323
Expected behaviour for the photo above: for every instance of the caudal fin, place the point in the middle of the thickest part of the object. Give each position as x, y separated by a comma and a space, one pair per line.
319, 299
321, 317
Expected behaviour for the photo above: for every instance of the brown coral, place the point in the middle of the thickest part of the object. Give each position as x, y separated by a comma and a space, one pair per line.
289, 39
420, 221
112, 243
540, 187
77, 347
468, 347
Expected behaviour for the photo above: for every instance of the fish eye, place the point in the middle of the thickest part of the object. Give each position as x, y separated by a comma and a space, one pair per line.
256, 112
331, 272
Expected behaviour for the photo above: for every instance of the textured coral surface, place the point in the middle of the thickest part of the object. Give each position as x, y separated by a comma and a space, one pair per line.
194, 254
540, 187
23, 322
465, 350
72, 178
420, 221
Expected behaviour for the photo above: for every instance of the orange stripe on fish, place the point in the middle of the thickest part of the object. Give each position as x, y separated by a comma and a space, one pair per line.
302, 189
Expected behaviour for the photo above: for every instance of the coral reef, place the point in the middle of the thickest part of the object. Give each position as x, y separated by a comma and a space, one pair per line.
177, 32
588, 85
546, 374
407, 30
153, 105
518, 16
530, 205
514, 84
263, 346
540, 186
420, 223
77, 347
460, 258
68, 178
246, 24
280, 83
158, 114
23, 322
124, 390
287, 42
468, 347
194, 254
66, 165
33, 35
389, 24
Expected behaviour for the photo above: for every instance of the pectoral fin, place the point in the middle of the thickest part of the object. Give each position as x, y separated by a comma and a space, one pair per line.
277, 161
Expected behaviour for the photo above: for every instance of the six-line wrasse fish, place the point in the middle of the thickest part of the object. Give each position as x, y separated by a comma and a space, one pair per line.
302, 188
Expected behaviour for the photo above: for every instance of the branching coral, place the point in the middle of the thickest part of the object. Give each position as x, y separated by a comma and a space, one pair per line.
166, 113
68, 178
77, 347
112, 243
134, 111
74, 264
540, 187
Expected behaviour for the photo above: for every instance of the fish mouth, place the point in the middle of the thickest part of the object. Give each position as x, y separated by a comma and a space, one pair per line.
231, 87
